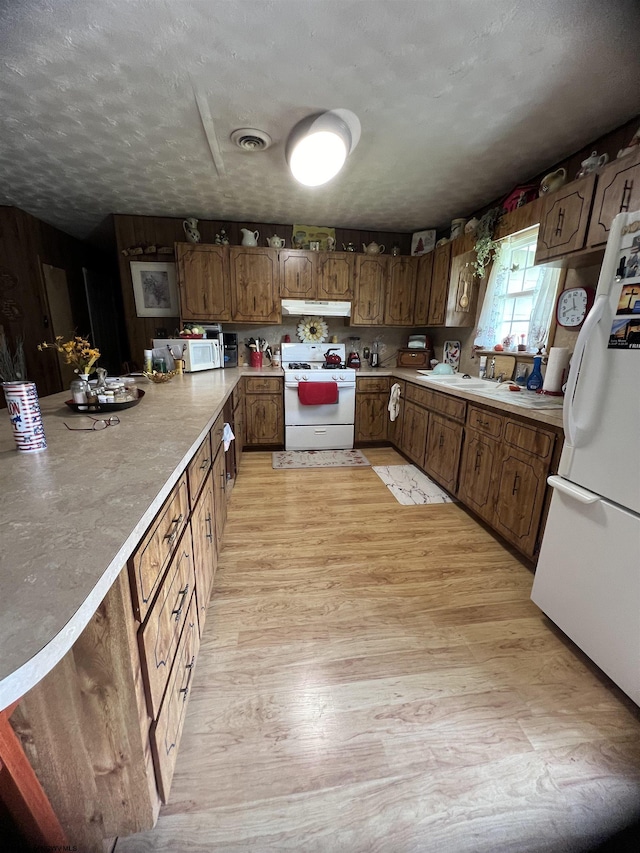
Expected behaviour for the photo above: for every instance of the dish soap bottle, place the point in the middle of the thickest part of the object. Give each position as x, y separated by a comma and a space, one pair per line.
535, 380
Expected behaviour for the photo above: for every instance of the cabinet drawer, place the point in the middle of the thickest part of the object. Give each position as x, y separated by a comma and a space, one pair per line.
160, 635
369, 383
531, 439
413, 358
419, 395
198, 469
217, 431
166, 730
262, 384
485, 422
452, 407
147, 565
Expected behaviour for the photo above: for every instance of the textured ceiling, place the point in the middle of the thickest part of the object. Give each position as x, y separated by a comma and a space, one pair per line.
458, 101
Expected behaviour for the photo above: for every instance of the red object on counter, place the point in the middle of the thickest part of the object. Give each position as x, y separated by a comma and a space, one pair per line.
317, 393
255, 359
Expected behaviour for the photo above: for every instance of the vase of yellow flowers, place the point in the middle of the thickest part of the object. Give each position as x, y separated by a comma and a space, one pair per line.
77, 352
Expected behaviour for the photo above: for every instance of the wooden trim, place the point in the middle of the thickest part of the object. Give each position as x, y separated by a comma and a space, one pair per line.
22, 793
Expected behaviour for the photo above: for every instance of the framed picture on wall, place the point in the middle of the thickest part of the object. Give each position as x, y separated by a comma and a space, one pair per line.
154, 289
423, 241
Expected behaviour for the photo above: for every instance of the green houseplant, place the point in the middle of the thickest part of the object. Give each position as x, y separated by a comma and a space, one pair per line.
485, 246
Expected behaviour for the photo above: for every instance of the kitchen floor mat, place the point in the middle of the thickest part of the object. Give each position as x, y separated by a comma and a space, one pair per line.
318, 459
410, 487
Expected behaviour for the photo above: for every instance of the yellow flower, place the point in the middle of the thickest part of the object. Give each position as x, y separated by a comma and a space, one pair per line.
77, 351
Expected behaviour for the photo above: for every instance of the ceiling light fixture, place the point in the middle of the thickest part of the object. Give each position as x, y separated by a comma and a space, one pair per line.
319, 145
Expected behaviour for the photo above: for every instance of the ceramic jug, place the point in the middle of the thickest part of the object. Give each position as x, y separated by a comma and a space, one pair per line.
592, 163
190, 227
274, 242
249, 238
372, 249
553, 181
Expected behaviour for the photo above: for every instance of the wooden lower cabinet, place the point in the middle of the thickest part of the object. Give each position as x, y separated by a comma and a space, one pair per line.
205, 556
166, 730
497, 464
394, 428
372, 416
414, 432
102, 729
264, 411
480, 459
442, 453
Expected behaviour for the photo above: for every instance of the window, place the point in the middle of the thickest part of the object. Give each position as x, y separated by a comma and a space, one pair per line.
519, 300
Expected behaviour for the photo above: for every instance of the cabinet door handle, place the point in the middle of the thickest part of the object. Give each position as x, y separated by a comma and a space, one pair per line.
441, 440
560, 223
181, 596
171, 536
476, 467
205, 464
516, 479
185, 690
209, 535
626, 196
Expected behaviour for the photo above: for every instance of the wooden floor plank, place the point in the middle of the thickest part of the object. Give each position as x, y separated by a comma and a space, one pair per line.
374, 677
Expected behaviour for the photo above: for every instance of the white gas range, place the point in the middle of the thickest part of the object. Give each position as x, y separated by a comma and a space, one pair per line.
319, 400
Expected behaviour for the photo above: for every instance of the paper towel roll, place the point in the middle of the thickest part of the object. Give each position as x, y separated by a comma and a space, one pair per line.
556, 371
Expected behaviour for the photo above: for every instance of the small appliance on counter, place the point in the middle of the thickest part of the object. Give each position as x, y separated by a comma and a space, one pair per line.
353, 359
197, 354
229, 349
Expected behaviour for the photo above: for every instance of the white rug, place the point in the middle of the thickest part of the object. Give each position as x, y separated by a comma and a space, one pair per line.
318, 459
410, 486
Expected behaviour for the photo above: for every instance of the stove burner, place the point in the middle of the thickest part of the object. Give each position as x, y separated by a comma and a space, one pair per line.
295, 365
334, 366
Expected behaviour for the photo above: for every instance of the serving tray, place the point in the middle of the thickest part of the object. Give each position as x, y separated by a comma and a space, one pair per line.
83, 408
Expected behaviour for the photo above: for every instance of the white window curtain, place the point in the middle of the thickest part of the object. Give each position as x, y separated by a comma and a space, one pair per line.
491, 314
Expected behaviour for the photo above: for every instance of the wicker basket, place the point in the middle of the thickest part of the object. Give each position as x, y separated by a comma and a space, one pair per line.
161, 378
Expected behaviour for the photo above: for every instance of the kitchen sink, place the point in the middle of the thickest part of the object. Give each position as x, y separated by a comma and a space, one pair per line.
455, 379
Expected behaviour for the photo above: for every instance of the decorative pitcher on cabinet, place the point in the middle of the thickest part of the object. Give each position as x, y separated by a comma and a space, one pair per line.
249, 238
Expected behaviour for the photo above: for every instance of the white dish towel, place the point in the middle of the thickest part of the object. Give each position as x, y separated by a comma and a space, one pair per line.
394, 402
227, 437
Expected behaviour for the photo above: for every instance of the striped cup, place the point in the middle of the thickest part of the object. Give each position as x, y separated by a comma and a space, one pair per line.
25, 416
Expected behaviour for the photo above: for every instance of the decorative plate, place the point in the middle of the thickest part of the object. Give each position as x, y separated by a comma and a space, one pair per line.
312, 330
83, 408
451, 354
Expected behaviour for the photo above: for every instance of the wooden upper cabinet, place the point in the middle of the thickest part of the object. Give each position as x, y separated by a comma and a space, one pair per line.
401, 291
203, 281
462, 299
618, 192
423, 289
439, 285
298, 274
369, 291
335, 275
254, 285
565, 219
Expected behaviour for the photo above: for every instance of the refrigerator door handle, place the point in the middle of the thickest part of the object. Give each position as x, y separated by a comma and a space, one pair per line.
570, 489
572, 431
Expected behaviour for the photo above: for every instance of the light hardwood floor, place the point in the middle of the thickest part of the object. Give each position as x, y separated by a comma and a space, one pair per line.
374, 677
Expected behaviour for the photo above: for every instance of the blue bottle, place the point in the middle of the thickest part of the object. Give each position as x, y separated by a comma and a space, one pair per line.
535, 380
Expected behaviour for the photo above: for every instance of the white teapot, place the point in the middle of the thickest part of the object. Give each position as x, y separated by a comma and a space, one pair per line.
190, 227
249, 238
275, 242
372, 249
592, 163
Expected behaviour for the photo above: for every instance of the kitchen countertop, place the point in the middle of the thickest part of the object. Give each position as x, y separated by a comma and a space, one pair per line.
74, 513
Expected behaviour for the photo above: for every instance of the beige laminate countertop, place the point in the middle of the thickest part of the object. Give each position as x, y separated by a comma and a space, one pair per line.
73, 514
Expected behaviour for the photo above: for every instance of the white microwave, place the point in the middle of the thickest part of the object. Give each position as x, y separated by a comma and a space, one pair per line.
197, 353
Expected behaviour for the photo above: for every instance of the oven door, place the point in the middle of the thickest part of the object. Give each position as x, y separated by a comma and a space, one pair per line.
328, 426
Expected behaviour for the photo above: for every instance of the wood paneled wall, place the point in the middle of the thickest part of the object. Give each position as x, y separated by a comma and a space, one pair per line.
25, 244
165, 231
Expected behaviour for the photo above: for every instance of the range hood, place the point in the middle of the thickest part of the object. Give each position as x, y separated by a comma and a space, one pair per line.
316, 307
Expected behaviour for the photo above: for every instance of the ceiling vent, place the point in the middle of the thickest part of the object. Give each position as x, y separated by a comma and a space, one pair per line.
250, 139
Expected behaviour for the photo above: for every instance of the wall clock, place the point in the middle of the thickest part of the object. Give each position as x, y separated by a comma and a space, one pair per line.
573, 306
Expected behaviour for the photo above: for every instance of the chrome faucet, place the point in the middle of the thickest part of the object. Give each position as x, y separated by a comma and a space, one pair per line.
492, 369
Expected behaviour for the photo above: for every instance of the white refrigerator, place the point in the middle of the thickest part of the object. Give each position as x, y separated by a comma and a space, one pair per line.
588, 575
